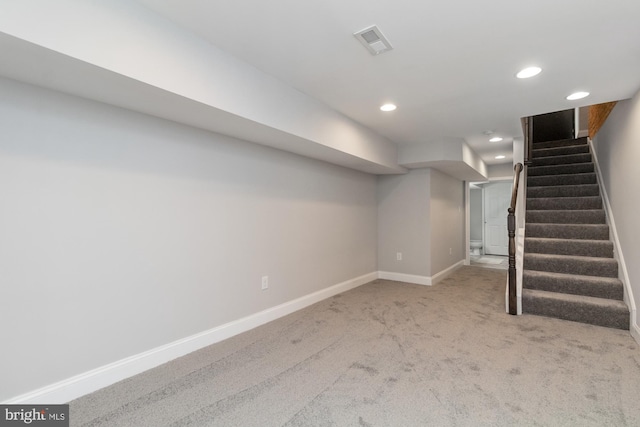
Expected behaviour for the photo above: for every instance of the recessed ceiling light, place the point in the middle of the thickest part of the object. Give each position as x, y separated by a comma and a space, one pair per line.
577, 95
499, 157
529, 72
388, 107
495, 139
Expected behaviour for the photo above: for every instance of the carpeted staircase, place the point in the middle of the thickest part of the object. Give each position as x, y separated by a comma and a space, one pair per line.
569, 269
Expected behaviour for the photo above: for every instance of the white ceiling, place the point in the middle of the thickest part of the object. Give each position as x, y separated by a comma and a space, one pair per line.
452, 69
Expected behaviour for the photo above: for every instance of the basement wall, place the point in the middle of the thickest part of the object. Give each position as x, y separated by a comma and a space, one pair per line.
447, 221
403, 223
122, 232
420, 215
618, 151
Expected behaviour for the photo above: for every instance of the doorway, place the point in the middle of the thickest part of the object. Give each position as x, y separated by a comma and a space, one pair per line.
497, 197
488, 203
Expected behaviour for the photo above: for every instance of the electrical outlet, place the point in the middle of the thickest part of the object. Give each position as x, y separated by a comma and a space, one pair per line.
399, 256
265, 282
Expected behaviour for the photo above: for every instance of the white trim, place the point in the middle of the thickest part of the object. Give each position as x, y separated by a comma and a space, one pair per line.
407, 278
420, 280
501, 178
622, 271
79, 385
467, 222
444, 273
635, 331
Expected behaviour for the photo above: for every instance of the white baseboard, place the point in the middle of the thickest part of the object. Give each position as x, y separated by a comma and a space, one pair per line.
623, 274
407, 278
79, 385
420, 280
444, 273
635, 331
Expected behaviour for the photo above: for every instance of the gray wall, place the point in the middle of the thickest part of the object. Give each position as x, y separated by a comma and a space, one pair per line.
503, 170
122, 232
420, 214
446, 221
403, 222
475, 214
617, 147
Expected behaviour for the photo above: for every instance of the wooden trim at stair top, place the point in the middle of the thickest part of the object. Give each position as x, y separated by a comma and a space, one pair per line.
598, 115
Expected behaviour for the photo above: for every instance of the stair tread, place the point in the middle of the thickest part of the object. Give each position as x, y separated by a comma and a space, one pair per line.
560, 155
561, 159
564, 156
558, 296
566, 187
566, 216
574, 257
610, 281
585, 165
565, 210
566, 198
579, 241
546, 224
571, 264
575, 284
604, 312
560, 143
562, 149
580, 174
568, 246
566, 179
568, 231
572, 203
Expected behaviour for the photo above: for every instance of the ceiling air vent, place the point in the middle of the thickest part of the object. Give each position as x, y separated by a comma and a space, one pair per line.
373, 39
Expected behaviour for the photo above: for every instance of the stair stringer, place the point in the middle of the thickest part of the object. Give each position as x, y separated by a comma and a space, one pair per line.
634, 328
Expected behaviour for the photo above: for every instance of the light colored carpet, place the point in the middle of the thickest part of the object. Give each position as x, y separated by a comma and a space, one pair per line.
391, 354
487, 260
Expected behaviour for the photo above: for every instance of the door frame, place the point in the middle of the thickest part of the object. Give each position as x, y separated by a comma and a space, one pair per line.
467, 212
484, 223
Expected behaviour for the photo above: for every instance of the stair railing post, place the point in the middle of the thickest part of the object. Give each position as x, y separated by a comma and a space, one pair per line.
511, 229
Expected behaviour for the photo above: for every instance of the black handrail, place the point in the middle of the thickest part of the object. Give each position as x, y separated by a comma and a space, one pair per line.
511, 228
528, 139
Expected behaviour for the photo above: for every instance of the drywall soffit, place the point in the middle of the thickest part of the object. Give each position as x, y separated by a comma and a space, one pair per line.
75, 77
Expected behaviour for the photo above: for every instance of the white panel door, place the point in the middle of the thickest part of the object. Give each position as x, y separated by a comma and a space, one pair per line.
497, 197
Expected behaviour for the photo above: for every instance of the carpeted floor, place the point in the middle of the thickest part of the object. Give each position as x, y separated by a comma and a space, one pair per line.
392, 354
490, 261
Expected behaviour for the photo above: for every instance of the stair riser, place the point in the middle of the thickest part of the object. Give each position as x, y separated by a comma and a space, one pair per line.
618, 319
573, 285
564, 203
560, 151
604, 267
566, 217
600, 249
555, 180
568, 231
586, 190
560, 169
562, 160
560, 143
